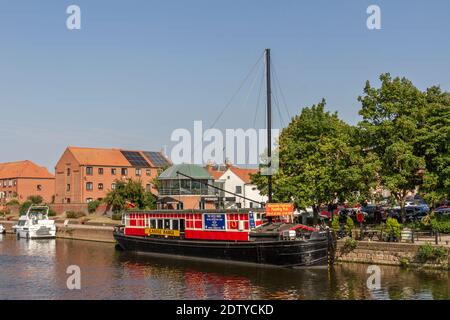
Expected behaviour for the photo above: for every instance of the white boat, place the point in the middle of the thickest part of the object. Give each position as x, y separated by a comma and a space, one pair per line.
37, 224
19, 225
2, 229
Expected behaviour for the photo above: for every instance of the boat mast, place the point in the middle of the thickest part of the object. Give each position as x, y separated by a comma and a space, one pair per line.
269, 126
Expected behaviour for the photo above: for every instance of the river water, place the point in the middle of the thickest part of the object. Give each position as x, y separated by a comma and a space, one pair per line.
36, 269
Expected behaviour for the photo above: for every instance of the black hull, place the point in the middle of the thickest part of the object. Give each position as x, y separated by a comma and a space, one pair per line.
275, 253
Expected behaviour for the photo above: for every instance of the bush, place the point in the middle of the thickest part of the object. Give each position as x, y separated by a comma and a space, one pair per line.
441, 224
393, 227
404, 262
93, 205
427, 252
75, 214
13, 202
35, 199
51, 213
116, 216
350, 244
349, 225
335, 225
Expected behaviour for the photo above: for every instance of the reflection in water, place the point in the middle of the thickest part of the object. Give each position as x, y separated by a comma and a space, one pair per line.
36, 269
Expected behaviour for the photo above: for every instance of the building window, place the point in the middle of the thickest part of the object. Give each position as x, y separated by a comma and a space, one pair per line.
89, 200
39, 187
68, 171
10, 183
68, 187
180, 206
124, 171
201, 205
67, 200
100, 186
238, 189
251, 205
148, 172
89, 171
89, 186
15, 183
113, 186
138, 172
100, 171
113, 171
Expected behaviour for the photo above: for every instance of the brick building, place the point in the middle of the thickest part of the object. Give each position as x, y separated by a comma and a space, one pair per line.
19, 180
87, 174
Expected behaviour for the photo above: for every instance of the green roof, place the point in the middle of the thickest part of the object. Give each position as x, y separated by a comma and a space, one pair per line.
191, 170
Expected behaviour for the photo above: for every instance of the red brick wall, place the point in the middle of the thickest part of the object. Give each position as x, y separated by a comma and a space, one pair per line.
26, 187
29, 187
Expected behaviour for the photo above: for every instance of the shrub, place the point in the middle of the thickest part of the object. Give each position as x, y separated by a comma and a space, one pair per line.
349, 225
350, 244
427, 252
441, 224
404, 262
393, 227
116, 216
75, 214
93, 205
35, 199
335, 225
51, 213
13, 202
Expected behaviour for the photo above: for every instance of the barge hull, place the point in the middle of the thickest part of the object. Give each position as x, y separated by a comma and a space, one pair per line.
279, 253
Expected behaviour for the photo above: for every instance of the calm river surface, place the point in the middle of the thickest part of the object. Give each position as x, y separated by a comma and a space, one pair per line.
37, 270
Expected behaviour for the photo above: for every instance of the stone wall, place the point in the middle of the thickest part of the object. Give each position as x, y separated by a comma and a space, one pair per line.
83, 232
382, 253
76, 232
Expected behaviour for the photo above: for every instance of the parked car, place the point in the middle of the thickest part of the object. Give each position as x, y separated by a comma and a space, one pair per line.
445, 211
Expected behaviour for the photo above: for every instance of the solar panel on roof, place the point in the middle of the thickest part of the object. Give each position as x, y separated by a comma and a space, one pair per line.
157, 158
135, 159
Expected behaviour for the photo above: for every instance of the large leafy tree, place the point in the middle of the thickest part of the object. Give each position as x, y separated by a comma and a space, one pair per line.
433, 143
390, 129
319, 162
130, 191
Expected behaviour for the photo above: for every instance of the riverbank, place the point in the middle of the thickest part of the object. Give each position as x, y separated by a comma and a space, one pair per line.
387, 253
76, 231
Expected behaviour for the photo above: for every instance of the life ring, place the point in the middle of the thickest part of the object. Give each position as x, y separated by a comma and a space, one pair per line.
233, 224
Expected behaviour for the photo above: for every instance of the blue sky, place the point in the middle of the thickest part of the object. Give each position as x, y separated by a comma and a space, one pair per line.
137, 70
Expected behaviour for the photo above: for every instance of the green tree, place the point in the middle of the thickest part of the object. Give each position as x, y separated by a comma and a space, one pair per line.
319, 162
24, 207
130, 191
390, 130
93, 205
433, 144
36, 200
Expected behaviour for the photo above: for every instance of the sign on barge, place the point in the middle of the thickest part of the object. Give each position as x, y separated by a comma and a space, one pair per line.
231, 235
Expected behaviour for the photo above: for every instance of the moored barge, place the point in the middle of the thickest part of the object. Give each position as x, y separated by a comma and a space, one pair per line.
231, 235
